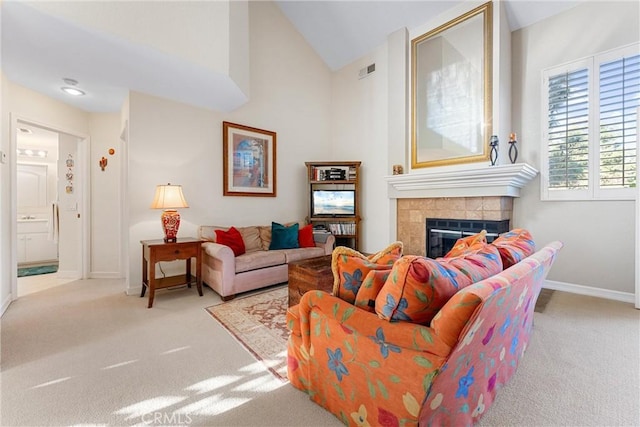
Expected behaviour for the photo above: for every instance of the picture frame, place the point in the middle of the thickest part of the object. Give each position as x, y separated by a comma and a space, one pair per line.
451, 91
249, 161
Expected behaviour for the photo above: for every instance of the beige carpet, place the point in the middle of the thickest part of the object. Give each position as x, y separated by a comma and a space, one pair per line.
84, 353
259, 323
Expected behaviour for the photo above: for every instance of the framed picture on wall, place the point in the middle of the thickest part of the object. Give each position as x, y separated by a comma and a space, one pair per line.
249, 161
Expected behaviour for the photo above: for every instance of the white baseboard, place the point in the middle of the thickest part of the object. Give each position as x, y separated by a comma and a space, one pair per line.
134, 290
590, 291
5, 304
68, 274
104, 275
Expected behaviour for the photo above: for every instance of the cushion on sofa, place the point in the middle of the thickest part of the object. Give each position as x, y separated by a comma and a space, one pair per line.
265, 236
305, 237
283, 237
350, 268
259, 259
418, 286
302, 253
371, 285
208, 232
231, 238
514, 246
251, 238
465, 244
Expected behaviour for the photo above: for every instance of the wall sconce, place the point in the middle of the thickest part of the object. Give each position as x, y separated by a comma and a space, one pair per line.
169, 197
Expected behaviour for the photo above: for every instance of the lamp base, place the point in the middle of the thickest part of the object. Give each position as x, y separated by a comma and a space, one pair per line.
170, 224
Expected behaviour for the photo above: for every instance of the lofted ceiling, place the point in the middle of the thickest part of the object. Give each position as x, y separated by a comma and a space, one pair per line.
40, 50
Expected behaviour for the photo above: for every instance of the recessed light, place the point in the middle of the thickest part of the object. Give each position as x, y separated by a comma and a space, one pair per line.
72, 91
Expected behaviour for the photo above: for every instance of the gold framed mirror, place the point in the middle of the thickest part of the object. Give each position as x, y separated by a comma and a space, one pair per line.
451, 72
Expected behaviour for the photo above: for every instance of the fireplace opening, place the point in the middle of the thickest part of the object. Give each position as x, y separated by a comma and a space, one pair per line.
442, 234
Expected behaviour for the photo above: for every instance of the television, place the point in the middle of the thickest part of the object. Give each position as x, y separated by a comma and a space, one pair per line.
333, 203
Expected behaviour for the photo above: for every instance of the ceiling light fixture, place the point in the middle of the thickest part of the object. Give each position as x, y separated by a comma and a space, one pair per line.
30, 153
74, 91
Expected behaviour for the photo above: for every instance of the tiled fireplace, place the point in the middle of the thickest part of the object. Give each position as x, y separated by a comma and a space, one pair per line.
476, 193
412, 214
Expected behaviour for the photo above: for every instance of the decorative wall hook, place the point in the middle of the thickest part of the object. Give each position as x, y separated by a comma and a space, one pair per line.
513, 149
493, 142
103, 163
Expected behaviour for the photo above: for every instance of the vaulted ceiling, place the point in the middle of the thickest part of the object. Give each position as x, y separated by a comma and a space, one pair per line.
39, 49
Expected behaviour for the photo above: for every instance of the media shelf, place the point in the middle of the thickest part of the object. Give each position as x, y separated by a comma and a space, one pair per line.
334, 201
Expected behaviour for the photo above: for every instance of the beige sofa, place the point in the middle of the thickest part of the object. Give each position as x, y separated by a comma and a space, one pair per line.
259, 267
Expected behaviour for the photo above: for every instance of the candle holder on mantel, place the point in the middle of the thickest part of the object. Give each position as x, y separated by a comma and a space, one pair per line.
513, 149
493, 142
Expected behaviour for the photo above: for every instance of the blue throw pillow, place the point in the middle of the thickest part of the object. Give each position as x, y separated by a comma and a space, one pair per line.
283, 237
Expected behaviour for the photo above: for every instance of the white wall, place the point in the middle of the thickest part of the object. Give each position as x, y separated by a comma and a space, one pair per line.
360, 112
180, 144
359, 126
6, 270
198, 31
598, 235
105, 207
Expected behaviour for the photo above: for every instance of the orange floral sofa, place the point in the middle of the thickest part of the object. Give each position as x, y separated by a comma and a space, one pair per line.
406, 340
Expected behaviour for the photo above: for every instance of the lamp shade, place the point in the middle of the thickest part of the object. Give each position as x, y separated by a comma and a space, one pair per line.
169, 197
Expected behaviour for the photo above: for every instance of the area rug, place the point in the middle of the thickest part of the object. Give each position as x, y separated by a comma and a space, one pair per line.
259, 323
34, 271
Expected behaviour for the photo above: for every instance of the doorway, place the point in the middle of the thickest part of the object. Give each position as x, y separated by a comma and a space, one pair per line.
49, 199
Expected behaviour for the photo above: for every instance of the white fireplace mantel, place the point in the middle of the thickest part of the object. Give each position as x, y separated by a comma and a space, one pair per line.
484, 181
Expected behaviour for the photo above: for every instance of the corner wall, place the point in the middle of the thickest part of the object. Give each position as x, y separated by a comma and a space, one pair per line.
598, 235
590, 258
181, 144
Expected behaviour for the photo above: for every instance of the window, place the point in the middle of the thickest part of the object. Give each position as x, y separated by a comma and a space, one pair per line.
590, 118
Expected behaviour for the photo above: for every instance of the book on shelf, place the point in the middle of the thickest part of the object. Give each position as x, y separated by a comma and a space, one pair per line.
332, 174
342, 228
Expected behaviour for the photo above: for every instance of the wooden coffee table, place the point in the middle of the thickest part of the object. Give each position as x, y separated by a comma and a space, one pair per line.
308, 275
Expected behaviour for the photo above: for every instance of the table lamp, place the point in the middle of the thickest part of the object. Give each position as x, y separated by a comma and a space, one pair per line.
169, 197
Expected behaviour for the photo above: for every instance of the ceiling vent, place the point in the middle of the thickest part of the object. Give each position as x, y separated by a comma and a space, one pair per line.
364, 72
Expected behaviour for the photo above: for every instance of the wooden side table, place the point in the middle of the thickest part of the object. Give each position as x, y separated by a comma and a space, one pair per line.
154, 251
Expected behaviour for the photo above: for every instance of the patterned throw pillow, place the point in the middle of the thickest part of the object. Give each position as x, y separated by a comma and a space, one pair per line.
371, 285
418, 287
468, 243
231, 238
350, 268
514, 246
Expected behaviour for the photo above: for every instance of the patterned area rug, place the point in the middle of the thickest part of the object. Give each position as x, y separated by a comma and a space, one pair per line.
34, 271
259, 323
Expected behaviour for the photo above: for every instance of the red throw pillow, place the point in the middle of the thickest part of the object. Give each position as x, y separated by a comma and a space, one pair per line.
305, 237
231, 238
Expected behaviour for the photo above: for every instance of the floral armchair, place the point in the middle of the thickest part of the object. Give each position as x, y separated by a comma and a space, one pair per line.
371, 370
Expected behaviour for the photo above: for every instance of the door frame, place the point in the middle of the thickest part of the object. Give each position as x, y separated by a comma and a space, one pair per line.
83, 150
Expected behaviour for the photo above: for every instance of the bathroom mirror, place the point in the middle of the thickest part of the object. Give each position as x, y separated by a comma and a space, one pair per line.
451, 91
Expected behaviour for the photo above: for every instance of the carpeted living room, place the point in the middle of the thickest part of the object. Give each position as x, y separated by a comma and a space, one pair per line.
87, 354
462, 181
